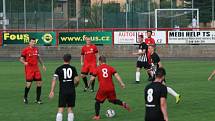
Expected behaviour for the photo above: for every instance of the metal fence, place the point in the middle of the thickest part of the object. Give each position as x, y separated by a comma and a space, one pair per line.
70, 14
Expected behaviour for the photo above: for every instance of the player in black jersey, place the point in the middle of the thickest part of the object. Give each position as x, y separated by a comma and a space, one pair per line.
156, 63
155, 98
142, 60
68, 80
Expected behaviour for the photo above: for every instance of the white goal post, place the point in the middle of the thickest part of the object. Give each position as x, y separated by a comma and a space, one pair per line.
175, 9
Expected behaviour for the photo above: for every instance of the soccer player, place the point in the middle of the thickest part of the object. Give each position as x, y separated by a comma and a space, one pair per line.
68, 79
211, 76
156, 63
89, 54
155, 98
149, 40
30, 57
194, 22
106, 90
142, 60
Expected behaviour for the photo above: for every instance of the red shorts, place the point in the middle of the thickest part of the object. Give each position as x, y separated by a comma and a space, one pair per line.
32, 73
102, 95
88, 68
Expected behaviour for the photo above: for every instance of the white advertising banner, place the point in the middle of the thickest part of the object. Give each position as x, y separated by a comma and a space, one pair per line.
191, 37
130, 37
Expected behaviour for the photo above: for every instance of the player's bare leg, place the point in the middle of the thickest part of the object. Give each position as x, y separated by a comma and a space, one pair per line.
138, 75
27, 89
92, 86
70, 114
84, 77
38, 90
59, 116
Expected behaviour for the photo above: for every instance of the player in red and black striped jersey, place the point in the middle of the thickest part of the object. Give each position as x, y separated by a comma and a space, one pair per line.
155, 64
106, 90
89, 53
29, 58
150, 42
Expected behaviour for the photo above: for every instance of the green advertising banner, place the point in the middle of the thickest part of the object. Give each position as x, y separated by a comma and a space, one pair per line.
42, 38
78, 37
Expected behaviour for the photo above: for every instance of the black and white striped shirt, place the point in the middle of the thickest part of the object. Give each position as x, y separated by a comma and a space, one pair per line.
143, 47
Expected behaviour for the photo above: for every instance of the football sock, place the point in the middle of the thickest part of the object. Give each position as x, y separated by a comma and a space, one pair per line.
26, 92
116, 102
97, 108
70, 116
85, 82
38, 93
93, 84
171, 91
137, 76
59, 117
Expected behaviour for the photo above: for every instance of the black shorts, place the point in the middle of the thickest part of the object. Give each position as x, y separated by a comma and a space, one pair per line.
154, 116
67, 100
144, 65
155, 119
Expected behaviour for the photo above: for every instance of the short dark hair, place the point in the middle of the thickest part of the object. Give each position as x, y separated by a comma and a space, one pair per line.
67, 57
149, 31
102, 58
141, 36
32, 38
160, 72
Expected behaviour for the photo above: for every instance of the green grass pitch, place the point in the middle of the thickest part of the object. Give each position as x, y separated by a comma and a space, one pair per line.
189, 78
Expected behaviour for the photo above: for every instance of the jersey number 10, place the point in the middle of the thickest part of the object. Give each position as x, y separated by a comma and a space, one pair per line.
67, 73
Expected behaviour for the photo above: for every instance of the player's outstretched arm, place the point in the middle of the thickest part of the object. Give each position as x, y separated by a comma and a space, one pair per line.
82, 59
211, 76
164, 108
119, 79
42, 63
76, 80
51, 94
97, 57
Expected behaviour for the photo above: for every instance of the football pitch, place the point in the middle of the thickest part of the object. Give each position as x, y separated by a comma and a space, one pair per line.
189, 78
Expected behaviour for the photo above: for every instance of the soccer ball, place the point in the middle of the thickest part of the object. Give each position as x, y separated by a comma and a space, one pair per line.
110, 113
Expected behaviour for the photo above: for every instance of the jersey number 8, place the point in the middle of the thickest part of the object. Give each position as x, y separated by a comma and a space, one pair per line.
149, 95
105, 72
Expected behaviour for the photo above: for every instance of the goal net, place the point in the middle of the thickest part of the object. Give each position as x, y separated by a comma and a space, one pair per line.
176, 18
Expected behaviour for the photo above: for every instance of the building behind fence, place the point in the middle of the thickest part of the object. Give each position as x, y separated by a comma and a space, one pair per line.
48, 14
